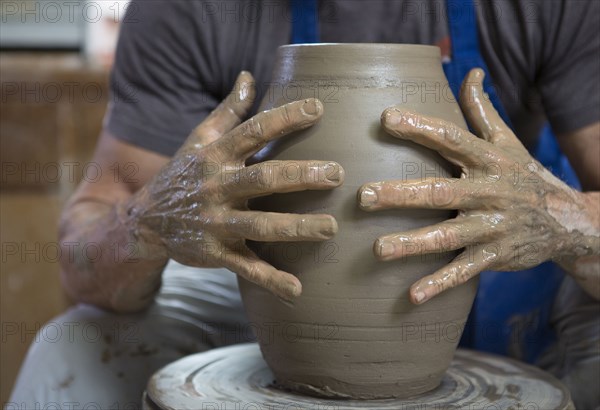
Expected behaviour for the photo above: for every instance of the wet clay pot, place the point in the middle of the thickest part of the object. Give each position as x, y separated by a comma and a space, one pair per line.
353, 332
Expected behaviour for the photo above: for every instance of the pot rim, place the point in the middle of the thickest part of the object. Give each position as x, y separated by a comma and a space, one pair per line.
425, 49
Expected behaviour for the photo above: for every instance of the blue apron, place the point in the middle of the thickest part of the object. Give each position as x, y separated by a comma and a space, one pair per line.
511, 312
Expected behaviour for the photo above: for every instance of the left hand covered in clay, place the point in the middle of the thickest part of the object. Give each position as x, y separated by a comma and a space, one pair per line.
513, 214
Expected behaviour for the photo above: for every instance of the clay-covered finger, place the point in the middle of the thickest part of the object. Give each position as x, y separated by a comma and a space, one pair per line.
446, 236
229, 113
455, 144
468, 264
279, 227
452, 193
252, 135
480, 113
247, 265
282, 176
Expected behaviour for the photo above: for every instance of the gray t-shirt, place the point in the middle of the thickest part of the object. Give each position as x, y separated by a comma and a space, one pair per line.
176, 60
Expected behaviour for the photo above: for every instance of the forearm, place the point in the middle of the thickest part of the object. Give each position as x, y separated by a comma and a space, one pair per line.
108, 263
581, 259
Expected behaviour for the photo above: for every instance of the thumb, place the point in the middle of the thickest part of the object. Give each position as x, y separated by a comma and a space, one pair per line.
229, 113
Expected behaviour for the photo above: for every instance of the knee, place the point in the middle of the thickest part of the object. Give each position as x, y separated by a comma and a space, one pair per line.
81, 324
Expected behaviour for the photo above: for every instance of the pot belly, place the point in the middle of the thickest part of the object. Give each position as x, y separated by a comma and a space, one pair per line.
353, 332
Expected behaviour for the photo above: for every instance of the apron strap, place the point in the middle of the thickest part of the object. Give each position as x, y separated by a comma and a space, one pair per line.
305, 21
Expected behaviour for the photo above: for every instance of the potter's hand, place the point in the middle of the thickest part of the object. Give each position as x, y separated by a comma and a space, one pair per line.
513, 213
196, 206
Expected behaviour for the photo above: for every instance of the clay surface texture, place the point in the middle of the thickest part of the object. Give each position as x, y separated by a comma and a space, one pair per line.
353, 332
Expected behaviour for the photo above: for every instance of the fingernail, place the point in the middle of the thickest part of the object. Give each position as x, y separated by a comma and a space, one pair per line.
330, 228
311, 107
385, 249
293, 290
244, 93
368, 197
392, 117
479, 73
332, 172
244, 87
419, 297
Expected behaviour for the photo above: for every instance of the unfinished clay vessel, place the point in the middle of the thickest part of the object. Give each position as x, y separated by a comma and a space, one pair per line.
353, 332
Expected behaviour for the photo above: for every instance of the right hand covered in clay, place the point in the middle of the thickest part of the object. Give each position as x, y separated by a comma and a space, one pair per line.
197, 204
513, 214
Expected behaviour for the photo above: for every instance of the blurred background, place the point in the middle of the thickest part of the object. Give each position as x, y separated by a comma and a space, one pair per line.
55, 58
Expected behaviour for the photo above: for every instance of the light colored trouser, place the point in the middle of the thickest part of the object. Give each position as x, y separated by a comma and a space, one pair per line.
575, 357
91, 359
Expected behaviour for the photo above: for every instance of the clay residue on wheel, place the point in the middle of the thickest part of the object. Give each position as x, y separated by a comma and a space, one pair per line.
323, 391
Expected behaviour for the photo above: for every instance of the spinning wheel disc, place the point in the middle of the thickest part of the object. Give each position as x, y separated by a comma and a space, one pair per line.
237, 378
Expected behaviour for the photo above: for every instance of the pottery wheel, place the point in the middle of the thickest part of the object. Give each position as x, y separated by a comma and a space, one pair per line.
238, 378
